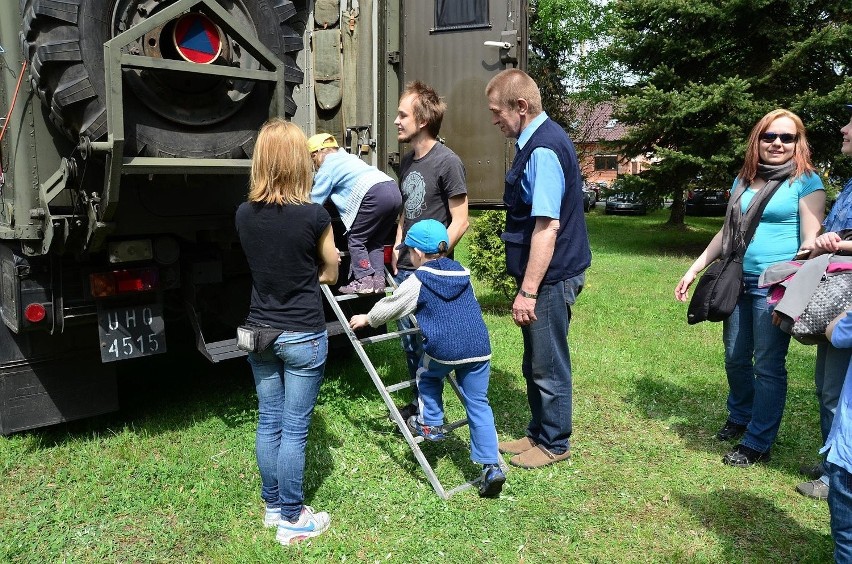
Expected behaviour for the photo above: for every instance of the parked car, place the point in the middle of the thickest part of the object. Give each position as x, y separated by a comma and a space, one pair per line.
625, 202
589, 199
707, 202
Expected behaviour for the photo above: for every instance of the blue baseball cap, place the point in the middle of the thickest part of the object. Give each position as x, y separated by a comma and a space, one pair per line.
426, 236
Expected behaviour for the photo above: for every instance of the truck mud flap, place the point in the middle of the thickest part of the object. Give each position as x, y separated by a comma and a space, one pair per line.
46, 380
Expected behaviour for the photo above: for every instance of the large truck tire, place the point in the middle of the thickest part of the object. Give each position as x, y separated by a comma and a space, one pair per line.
166, 114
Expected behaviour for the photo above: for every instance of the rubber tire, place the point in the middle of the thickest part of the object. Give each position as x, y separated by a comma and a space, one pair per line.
64, 47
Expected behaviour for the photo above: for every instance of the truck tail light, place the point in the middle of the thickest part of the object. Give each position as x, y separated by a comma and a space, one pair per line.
117, 282
35, 313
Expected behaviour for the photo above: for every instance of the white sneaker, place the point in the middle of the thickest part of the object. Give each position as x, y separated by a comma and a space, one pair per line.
272, 517
309, 525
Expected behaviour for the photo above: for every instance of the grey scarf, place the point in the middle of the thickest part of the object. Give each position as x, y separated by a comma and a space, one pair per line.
736, 223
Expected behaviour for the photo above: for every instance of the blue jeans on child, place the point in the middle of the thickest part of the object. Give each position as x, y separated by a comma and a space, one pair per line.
840, 507
472, 378
287, 377
755, 363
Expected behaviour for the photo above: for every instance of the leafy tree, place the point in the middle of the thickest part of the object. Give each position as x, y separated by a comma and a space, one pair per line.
706, 70
566, 56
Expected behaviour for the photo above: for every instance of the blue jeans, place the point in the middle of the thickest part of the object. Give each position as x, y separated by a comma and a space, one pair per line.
472, 379
840, 507
287, 377
546, 365
755, 362
412, 345
831, 365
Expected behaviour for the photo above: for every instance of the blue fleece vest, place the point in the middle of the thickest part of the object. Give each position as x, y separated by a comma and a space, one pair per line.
449, 315
572, 254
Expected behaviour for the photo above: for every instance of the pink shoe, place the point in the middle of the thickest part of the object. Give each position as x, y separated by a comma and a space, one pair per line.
361, 286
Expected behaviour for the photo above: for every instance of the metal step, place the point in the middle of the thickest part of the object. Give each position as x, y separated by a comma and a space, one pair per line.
223, 350
388, 336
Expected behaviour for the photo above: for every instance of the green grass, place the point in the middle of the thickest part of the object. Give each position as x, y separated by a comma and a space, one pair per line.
172, 477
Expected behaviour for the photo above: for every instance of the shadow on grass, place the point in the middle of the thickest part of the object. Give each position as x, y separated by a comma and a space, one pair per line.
744, 522
698, 414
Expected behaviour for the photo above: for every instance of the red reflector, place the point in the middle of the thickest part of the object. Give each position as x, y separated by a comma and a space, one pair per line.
104, 284
34, 313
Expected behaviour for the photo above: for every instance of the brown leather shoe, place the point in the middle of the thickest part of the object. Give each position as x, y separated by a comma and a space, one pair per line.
516, 447
538, 457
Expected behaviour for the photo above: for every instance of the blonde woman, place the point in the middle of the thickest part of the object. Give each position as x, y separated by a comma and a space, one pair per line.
777, 154
290, 250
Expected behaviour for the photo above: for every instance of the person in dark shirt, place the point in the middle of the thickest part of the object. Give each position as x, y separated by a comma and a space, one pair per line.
432, 181
289, 246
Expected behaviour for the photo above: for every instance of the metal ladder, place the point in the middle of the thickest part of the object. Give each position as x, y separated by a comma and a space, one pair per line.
385, 391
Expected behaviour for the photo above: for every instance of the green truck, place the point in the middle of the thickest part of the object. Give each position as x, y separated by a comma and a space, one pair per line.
125, 144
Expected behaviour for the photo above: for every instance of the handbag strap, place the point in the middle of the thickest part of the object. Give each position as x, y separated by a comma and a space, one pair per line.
755, 220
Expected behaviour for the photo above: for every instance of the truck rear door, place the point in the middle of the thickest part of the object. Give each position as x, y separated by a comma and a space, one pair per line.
456, 46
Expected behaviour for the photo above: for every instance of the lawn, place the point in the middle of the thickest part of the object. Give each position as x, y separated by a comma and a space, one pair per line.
172, 478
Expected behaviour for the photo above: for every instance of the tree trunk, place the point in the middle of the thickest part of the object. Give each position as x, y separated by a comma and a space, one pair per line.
677, 213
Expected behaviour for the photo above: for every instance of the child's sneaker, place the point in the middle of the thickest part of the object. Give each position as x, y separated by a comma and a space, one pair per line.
361, 286
271, 517
309, 525
492, 481
430, 433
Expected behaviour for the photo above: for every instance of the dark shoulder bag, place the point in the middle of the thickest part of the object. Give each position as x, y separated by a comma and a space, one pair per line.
717, 291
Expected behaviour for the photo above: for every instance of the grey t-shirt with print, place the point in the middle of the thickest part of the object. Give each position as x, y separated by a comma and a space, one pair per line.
427, 184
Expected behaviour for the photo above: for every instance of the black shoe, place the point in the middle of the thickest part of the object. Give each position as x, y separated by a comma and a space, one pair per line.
491, 483
743, 457
730, 431
812, 471
406, 411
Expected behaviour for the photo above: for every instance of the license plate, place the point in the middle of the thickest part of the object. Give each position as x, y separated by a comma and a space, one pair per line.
132, 331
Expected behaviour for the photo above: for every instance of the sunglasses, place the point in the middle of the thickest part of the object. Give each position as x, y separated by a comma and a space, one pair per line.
786, 138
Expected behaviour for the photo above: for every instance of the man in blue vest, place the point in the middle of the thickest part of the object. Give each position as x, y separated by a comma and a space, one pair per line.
547, 251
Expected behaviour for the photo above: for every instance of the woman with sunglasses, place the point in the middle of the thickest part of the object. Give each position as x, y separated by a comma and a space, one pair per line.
755, 349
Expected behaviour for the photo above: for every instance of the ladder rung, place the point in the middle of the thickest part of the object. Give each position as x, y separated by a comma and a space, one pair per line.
455, 425
388, 336
401, 386
344, 297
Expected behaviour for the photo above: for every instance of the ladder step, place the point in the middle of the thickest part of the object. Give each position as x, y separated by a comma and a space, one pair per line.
388, 336
401, 386
455, 425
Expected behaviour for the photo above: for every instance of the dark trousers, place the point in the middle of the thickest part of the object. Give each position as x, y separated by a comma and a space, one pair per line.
546, 365
374, 222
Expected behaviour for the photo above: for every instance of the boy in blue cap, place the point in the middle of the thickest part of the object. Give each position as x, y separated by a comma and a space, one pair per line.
441, 296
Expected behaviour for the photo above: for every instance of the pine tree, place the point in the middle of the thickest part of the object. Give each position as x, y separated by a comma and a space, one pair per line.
706, 70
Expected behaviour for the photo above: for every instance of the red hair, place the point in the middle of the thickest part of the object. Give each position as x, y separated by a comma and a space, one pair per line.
801, 153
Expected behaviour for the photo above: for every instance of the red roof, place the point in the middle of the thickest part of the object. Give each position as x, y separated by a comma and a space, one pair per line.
598, 124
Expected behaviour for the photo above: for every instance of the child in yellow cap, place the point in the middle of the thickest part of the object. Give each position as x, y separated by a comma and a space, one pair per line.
368, 201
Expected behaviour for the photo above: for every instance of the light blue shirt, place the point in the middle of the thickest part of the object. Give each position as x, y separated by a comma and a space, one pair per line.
345, 179
840, 216
778, 235
543, 182
840, 437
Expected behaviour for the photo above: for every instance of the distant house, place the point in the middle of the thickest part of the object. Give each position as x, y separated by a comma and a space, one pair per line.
598, 162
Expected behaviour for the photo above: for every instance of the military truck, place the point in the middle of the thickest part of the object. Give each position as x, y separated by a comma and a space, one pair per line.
125, 144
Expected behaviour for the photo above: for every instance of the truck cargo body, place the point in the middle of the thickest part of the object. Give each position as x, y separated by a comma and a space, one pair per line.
128, 128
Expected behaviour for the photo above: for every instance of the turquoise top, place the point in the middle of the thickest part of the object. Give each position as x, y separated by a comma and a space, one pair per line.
777, 236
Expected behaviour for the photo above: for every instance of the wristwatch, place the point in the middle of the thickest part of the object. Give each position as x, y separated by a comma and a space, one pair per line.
528, 295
